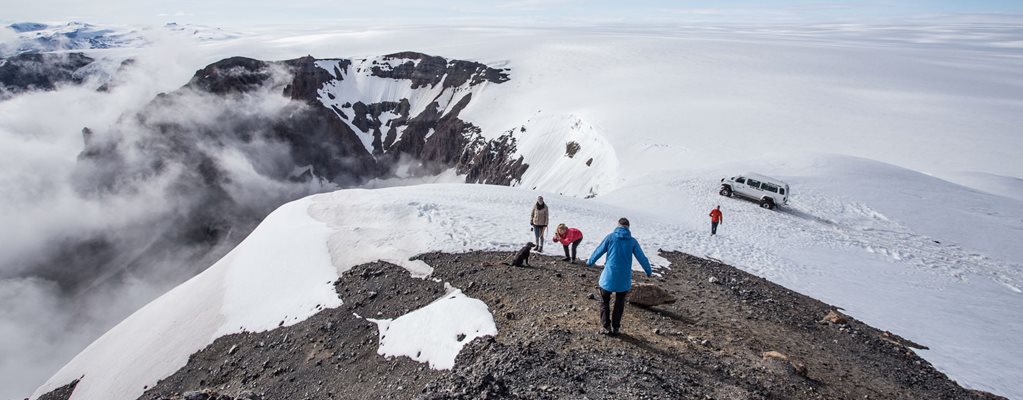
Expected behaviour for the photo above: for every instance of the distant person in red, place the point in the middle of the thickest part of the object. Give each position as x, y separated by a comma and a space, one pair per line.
715, 219
568, 236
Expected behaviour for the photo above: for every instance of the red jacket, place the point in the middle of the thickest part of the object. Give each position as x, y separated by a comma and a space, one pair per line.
715, 215
571, 235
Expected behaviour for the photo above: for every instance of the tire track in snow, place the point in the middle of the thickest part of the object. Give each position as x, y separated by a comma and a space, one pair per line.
821, 220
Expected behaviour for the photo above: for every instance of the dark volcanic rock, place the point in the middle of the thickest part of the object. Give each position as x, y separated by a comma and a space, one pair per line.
232, 75
307, 78
38, 71
61, 393
647, 295
492, 162
330, 355
709, 344
425, 70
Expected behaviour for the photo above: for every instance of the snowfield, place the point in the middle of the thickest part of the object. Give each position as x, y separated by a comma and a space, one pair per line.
865, 123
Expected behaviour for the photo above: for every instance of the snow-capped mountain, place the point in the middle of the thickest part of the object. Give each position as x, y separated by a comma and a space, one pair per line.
644, 122
42, 57
34, 37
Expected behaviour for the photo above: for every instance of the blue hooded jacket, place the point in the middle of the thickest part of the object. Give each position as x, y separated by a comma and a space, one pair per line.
620, 246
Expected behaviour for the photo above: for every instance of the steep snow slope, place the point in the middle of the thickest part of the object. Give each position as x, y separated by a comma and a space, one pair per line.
566, 155
827, 244
256, 286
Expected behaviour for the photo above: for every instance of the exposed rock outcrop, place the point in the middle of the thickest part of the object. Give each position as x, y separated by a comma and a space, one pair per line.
35, 71
61, 393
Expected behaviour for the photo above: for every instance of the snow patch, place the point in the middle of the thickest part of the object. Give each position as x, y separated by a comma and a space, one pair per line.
436, 333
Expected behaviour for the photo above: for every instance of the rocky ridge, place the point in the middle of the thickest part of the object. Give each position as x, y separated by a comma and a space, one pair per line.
729, 335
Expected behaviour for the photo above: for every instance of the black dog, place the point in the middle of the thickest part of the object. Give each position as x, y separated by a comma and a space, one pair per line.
522, 258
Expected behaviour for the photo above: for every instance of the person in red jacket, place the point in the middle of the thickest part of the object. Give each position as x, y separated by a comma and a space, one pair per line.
568, 236
715, 219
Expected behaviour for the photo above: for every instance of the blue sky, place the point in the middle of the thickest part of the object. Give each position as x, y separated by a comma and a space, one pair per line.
254, 12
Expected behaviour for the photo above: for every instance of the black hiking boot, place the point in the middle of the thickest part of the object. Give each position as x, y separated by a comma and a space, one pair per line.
566, 259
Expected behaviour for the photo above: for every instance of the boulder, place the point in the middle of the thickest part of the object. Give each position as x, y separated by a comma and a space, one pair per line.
775, 355
836, 317
646, 295
196, 395
782, 363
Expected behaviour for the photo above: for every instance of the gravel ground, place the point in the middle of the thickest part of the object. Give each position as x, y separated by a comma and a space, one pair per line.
714, 342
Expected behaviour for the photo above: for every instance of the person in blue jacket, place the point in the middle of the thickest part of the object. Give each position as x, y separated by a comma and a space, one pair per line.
620, 247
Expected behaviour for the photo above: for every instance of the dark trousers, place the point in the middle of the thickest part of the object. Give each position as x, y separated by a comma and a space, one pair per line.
574, 245
538, 233
713, 228
611, 320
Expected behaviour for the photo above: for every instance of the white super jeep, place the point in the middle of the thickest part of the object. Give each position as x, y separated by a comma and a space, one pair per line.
769, 192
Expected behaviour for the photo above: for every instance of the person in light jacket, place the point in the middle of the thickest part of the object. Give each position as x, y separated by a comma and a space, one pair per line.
538, 219
568, 236
616, 278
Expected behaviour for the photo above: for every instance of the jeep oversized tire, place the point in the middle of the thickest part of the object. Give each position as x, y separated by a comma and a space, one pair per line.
767, 203
726, 191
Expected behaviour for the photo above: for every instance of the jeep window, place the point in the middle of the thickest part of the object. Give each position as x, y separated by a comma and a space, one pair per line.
740, 180
769, 187
753, 183
781, 191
